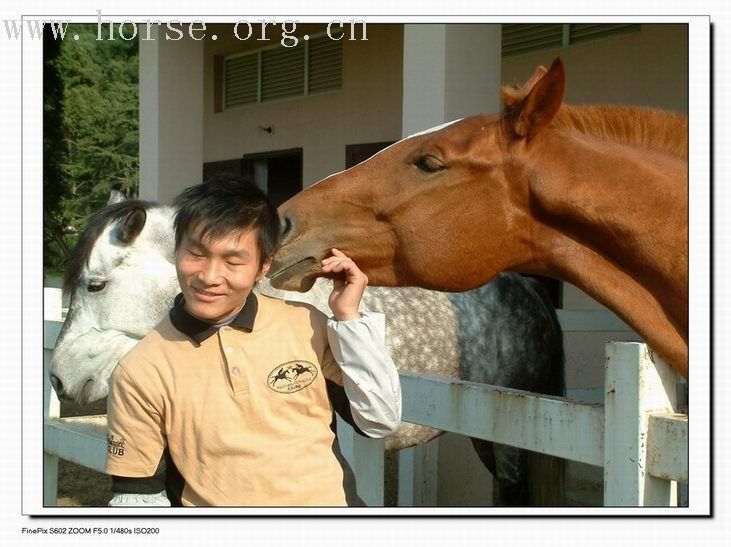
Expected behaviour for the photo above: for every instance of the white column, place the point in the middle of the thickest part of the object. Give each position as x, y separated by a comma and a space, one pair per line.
450, 71
171, 115
424, 77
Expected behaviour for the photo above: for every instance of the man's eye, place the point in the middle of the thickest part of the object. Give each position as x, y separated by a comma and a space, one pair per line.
194, 253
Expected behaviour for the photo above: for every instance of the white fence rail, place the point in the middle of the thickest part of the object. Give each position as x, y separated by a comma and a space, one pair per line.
636, 436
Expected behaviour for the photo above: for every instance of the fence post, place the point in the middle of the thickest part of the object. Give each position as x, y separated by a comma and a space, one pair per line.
637, 382
51, 405
418, 475
365, 457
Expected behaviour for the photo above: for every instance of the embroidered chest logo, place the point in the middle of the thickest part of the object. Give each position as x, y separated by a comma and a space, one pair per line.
291, 376
115, 446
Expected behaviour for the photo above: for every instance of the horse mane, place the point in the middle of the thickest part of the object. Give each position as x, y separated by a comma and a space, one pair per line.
645, 127
95, 226
640, 126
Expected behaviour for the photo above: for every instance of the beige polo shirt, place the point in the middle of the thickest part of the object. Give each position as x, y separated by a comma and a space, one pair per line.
245, 414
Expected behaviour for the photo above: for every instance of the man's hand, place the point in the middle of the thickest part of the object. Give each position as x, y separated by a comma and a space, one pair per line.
348, 285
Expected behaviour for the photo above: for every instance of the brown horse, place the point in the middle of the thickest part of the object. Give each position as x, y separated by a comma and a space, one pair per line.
596, 196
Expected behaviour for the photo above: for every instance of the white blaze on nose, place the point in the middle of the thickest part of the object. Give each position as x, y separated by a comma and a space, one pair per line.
433, 129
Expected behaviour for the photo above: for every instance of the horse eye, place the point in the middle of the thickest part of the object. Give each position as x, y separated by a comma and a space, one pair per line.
429, 164
96, 286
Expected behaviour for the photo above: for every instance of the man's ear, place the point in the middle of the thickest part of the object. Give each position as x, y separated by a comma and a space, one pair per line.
264, 269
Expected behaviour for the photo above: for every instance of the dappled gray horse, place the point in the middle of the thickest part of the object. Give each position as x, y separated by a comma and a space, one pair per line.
121, 279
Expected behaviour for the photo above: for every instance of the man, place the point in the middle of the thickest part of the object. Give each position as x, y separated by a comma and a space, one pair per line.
230, 399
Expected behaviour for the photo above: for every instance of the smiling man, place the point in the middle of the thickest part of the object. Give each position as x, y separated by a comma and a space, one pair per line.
216, 403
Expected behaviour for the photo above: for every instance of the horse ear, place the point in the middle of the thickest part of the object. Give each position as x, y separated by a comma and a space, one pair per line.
511, 96
132, 226
115, 196
542, 102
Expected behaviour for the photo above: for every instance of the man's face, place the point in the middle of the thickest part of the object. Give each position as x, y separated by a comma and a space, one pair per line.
216, 276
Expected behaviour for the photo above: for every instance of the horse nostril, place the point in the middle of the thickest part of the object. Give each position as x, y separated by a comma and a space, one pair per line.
57, 386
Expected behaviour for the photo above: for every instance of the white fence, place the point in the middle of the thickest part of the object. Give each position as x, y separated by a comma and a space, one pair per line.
636, 436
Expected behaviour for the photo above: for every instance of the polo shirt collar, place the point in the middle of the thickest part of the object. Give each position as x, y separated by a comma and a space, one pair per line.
199, 330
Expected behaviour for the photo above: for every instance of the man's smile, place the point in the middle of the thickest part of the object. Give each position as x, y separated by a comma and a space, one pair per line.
206, 296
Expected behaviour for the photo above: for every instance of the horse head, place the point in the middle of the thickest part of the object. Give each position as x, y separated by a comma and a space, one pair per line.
105, 319
594, 195
428, 191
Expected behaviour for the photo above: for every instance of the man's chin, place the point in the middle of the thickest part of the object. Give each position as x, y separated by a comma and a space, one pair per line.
206, 313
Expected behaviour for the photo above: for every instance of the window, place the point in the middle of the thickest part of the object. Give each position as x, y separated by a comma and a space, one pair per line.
523, 38
277, 72
581, 32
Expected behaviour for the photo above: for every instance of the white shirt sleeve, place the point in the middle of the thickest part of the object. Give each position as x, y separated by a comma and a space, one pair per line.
370, 378
139, 500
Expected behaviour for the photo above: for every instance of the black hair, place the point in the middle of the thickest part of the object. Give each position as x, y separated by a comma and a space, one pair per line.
225, 204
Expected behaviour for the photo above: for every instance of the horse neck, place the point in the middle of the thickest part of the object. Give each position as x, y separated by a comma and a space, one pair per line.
625, 204
615, 198
664, 328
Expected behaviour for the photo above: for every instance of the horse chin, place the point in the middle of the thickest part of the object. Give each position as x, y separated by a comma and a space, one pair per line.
299, 277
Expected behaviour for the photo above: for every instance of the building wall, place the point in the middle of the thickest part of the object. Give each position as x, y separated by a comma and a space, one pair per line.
645, 68
366, 109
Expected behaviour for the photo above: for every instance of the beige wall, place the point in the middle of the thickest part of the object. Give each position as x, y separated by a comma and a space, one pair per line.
646, 68
366, 109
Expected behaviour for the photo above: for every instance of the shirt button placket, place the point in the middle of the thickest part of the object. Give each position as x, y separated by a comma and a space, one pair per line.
229, 350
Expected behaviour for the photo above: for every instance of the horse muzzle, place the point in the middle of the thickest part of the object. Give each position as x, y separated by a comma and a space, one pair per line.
298, 276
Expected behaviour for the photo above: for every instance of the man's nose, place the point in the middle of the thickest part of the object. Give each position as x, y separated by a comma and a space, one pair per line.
210, 273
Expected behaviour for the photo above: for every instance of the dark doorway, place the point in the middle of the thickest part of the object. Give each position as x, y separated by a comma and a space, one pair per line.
356, 153
278, 173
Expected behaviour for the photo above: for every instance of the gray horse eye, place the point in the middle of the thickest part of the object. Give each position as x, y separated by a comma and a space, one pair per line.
96, 286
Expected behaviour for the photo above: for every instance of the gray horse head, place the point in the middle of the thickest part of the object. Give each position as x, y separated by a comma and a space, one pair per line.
121, 280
